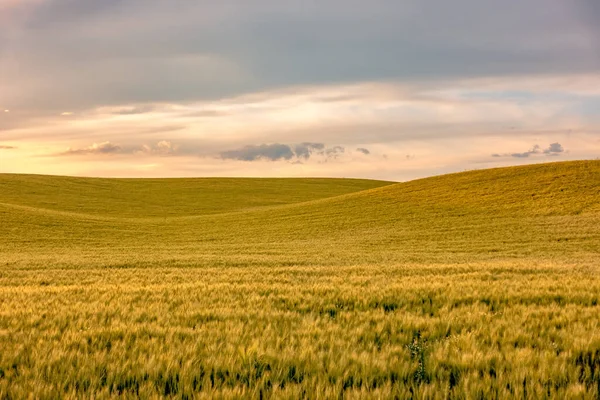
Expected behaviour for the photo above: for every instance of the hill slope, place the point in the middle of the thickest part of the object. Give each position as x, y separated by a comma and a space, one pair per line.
167, 197
547, 210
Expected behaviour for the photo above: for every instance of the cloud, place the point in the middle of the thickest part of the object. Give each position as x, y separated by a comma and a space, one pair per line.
161, 148
388, 113
96, 148
164, 148
553, 149
272, 152
269, 152
445, 124
334, 152
304, 150
3, 147
534, 150
277, 151
363, 150
148, 50
134, 110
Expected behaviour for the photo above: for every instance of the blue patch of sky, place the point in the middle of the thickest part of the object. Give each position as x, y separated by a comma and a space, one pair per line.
499, 95
590, 107
524, 96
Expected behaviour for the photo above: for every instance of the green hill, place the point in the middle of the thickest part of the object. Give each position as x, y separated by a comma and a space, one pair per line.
482, 284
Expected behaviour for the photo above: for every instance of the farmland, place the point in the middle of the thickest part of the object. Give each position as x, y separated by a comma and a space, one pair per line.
481, 284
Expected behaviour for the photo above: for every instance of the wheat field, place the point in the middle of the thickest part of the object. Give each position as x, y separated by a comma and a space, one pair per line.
482, 284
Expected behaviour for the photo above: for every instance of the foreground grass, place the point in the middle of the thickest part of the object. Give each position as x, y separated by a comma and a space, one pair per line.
482, 284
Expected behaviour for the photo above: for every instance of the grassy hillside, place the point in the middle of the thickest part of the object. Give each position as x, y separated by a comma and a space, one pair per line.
141, 198
546, 210
478, 284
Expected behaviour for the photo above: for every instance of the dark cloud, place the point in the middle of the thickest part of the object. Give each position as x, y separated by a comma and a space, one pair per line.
553, 149
363, 150
304, 150
118, 51
534, 150
522, 155
334, 152
277, 151
7, 147
272, 152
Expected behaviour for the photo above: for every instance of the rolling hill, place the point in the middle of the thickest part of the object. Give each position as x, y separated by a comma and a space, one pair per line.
546, 210
167, 197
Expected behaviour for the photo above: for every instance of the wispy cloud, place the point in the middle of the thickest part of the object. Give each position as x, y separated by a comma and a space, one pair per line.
161, 148
447, 125
96, 148
133, 110
164, 148
4, 147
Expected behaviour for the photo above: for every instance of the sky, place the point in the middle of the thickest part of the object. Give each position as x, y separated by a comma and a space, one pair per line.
384, 89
